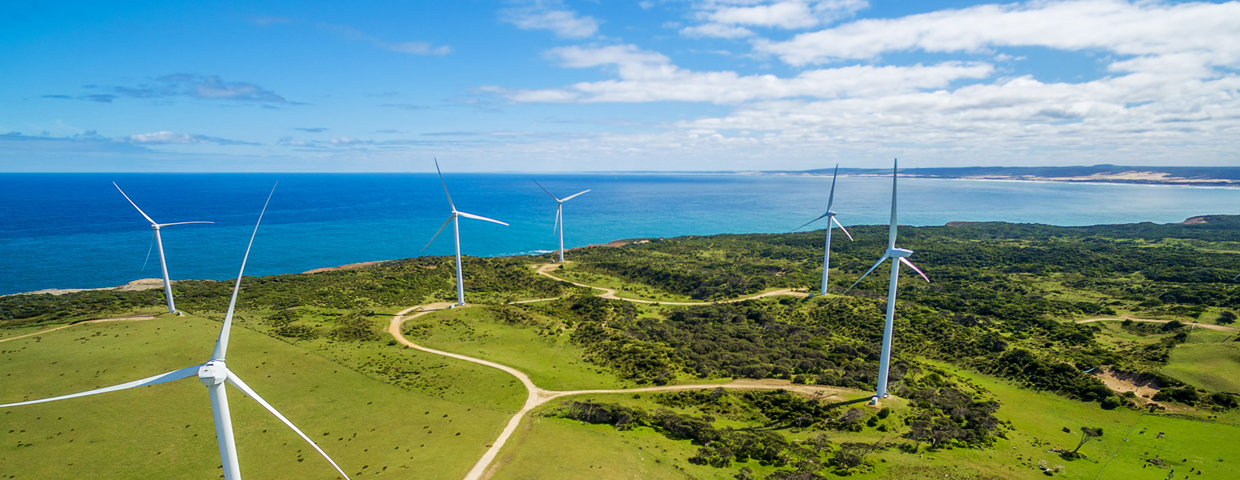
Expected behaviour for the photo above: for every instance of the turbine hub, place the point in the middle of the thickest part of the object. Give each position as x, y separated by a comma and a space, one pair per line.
898, 252
212, 373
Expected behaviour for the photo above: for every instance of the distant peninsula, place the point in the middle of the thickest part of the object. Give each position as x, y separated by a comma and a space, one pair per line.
1197, 176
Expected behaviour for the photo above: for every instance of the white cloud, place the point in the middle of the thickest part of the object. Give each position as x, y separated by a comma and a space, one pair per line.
550, 15
727, 18
170, 138
1144, 28
413, 48
715, 30
787, 15
1170, 94
649, 77
416, 48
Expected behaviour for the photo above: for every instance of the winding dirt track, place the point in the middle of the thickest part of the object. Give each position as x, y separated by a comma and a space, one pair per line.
538, 396
1206, 326
135, 318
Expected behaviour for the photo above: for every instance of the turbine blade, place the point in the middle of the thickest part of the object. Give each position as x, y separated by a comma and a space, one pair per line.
155, 380
831, 198
837, 222
144, 215
148, 252
445, 185
570, 197
867, 273
807, 223
221, 345
908, 262
236, 382
891, 229
479, 217
545, 190
179, 223
445, 225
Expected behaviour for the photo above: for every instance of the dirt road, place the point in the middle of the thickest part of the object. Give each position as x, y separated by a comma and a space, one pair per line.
135, 318
537, 396
1206, 326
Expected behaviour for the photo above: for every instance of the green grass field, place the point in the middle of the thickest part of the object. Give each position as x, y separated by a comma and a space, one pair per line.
165, 431
624, 289
555, 448
550, 360
19, 331
1213, 366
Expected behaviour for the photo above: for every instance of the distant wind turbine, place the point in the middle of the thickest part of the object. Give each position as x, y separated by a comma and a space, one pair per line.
160, 242
826, 250
456, 231
214, 374
893, 253
559, 215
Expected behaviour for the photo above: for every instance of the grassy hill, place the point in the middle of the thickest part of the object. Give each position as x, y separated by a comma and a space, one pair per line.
990, 363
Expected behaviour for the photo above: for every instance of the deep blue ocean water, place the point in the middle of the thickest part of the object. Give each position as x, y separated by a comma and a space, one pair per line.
77, 231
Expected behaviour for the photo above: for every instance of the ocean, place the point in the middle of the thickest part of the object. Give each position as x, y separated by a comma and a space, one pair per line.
77, 231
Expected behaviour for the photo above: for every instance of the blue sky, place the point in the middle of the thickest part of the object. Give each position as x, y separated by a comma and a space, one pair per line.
614, 86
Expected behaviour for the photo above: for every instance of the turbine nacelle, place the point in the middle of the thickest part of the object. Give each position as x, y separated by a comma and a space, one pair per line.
213, 373
898, 253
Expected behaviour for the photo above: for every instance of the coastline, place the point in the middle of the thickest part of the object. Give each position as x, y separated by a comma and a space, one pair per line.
155, 283
1179, 182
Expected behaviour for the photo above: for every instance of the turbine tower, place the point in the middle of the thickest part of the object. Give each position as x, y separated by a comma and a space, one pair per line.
559, 215
160, 242
456, 231
214, 374
826, 250
897, 256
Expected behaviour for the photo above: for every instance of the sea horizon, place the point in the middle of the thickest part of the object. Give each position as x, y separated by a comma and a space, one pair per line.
74, 230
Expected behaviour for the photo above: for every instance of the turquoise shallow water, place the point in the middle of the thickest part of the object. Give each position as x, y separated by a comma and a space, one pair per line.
76, 231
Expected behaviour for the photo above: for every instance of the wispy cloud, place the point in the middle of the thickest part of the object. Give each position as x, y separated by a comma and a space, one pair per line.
265, 20
201, 87
312, 130
410, 47
97, 97
646, 76
551, 15
170, 138
729, 18
405, 106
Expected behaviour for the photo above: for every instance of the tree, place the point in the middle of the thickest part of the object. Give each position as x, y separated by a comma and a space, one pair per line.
1087, 434
1226, 318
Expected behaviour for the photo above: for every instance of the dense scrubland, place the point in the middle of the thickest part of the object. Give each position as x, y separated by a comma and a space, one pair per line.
996, 330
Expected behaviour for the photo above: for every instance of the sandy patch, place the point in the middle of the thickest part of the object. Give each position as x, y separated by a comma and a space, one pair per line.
1121, 382
351, 266
140, 284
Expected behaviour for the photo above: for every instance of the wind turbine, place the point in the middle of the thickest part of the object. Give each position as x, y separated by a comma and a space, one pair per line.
559, 215
214, 374
826, 250
897, 256
158, 241
456, 231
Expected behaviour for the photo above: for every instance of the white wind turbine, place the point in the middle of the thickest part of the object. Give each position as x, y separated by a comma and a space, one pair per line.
893, 253
160, 242
456, 231
559, 215
214, 374
826, 250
